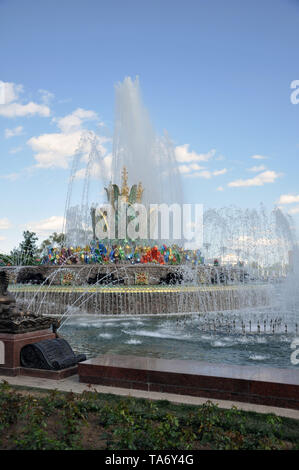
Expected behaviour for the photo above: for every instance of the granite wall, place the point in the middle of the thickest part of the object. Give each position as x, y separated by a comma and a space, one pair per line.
125, 273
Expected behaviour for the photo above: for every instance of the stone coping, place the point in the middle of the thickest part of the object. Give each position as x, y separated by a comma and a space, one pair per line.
178, 366
267, 386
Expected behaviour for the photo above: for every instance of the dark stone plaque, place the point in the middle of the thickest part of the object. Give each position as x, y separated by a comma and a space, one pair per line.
52, 354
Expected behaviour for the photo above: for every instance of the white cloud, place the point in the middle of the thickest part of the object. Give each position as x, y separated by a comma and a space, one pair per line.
220, 188
184, 169
183, 155
288, 199
207, 174
46, 96
294, 211
190, 167
11, 176
23, 173
195, 166
9, 92
99, 169
13, 132
220, 172
20, 110
259, 157
258, 180
52, 224
10, 106
74, 121
56, 150
5, 224
15, 150
204, 174
256, 169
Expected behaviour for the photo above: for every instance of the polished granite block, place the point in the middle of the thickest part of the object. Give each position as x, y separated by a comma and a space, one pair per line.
13, 343
49, 374
268, 386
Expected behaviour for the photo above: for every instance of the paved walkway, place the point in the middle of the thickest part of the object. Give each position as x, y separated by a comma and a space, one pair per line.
73, 384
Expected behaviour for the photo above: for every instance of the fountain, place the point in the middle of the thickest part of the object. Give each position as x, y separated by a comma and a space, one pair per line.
147, 157
137, 277
232, 303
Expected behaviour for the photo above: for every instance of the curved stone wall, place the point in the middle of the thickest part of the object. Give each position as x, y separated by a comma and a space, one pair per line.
127, 274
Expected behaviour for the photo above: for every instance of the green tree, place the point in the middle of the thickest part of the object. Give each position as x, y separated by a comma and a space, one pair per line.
27, 251
28, 245
56, 239
4, 259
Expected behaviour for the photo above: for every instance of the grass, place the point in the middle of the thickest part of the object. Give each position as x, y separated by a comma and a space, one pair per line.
32, 419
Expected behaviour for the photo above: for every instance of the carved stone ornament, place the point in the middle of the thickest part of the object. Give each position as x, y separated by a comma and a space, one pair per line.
16, 320
52, 354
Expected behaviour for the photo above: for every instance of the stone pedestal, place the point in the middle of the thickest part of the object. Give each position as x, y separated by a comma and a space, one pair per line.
11, 345
249, 384
19, 328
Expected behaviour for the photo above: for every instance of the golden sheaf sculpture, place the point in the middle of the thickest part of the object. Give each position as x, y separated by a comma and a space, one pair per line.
129, 195
126, 194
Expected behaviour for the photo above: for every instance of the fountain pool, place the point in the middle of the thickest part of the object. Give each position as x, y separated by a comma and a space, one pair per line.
246, 337
257, 335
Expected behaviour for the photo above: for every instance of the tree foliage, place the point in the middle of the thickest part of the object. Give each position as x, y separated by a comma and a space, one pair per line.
56, 239
27, 252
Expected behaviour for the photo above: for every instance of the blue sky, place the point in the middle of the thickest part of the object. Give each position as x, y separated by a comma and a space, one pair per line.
216, 75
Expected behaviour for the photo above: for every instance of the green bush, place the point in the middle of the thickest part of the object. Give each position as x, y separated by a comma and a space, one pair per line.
59, 421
